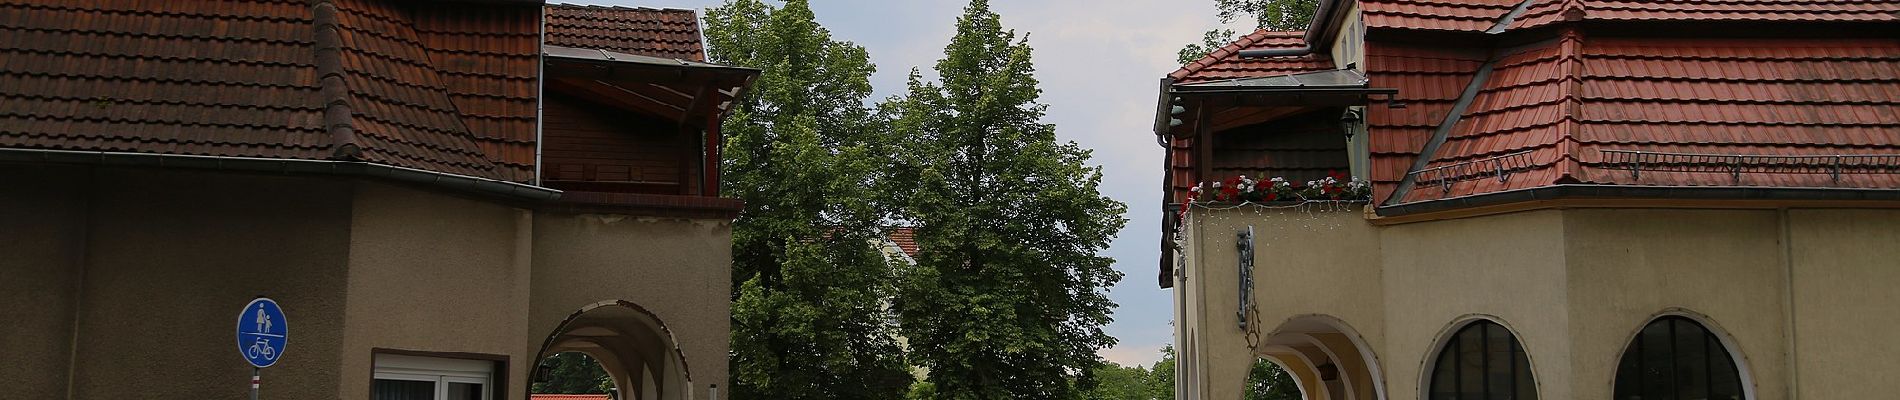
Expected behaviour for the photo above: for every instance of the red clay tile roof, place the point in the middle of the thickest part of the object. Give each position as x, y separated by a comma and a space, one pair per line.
905, 238
1225, 63
448, 89
1546, 12
1429, 80
168, 77
1441, 15
1568, 101
668, 33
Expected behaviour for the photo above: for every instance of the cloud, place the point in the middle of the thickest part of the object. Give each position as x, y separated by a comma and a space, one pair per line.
1145, 355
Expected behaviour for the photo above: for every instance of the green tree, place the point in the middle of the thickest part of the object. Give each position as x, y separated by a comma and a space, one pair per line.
1161, 383
1278, 15
1116, 382
1008, 297
1267, 381
809, 314
572, 373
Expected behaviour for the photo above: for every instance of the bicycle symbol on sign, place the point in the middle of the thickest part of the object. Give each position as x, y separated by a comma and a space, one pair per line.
262, 348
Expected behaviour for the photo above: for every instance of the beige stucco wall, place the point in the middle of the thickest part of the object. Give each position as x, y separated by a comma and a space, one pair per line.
1846, 304
436, 273
1507, 268
1309, 261
1628, 265
679, 269
171, 258
1573, 285
42, 242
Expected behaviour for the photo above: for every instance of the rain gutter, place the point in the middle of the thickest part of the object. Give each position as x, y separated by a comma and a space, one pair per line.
286, 166
1590, 191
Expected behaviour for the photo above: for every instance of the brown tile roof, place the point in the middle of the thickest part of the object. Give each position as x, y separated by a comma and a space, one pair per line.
668, 33
1481, 15
905, 238
1430, 80
1225, 62
1441, 15
1546, 12
168, 77
447, 89
1566, 102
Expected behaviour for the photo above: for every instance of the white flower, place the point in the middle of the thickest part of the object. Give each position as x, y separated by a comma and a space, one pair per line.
1217, 185
1196, 189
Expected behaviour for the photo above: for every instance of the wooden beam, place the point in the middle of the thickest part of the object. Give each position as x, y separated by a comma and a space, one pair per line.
615, 96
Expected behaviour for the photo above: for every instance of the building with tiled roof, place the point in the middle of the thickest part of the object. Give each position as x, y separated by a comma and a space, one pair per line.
437, 194
1561, 199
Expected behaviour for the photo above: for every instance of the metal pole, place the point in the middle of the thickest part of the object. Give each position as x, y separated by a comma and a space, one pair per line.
255, 372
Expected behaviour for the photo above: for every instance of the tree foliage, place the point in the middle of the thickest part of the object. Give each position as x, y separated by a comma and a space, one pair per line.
572, 373
1117, 382
1008, 297
1276, 15
809, 302
1267, 381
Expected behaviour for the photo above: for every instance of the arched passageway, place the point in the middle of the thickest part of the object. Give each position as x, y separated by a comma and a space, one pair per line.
1327, 358
631, 343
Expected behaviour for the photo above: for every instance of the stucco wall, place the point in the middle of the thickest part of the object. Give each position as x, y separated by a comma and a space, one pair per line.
172, 257
1629, 265
1846, 306
42, 243
437, 273
678, 269
1574, 286
1509, 268
1317, 260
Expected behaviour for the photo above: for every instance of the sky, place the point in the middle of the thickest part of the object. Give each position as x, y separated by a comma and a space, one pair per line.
1100, 63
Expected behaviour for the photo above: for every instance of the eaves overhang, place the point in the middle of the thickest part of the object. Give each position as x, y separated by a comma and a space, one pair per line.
565, 56
1679, 196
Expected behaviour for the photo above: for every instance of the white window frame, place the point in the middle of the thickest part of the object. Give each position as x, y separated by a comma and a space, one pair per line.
441, 371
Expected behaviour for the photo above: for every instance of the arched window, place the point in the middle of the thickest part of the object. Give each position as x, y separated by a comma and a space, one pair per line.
1482, 361
1677, 358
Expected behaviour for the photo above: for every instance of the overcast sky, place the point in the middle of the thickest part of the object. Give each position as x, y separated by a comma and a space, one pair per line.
1099, 62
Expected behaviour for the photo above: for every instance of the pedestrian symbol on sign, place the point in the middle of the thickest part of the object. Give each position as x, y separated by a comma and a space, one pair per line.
262, 332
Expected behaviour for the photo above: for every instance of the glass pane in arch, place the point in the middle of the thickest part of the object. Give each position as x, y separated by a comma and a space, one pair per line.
1482, 361
1675, 358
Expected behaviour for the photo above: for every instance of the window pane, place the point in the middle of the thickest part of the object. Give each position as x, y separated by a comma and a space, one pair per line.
1725, 382
1629, 377
465, 391
390, 389
1692, 361
1658, 379
1526, 385
1499, 349
1471, 362
1677, 358
1444, 375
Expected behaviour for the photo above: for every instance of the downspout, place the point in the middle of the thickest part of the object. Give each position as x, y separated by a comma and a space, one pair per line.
1792, 361
540, 93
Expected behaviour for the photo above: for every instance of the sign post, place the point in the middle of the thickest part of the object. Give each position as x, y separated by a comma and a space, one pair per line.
262, 334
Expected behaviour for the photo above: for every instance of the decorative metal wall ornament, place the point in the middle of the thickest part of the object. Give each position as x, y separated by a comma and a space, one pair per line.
1244, 243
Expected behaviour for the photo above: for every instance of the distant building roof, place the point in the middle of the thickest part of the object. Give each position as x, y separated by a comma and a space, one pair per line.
905, 238
664, 33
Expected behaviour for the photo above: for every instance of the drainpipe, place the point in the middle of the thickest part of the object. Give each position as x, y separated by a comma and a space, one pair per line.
540, 93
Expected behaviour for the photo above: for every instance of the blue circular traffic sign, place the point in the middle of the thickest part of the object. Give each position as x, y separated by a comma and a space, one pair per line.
262, 332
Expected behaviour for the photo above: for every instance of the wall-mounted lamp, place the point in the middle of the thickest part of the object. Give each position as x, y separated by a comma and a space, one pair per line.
1350, 120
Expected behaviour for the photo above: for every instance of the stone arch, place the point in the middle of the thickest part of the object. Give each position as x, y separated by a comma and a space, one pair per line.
1315, 347
631, 343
